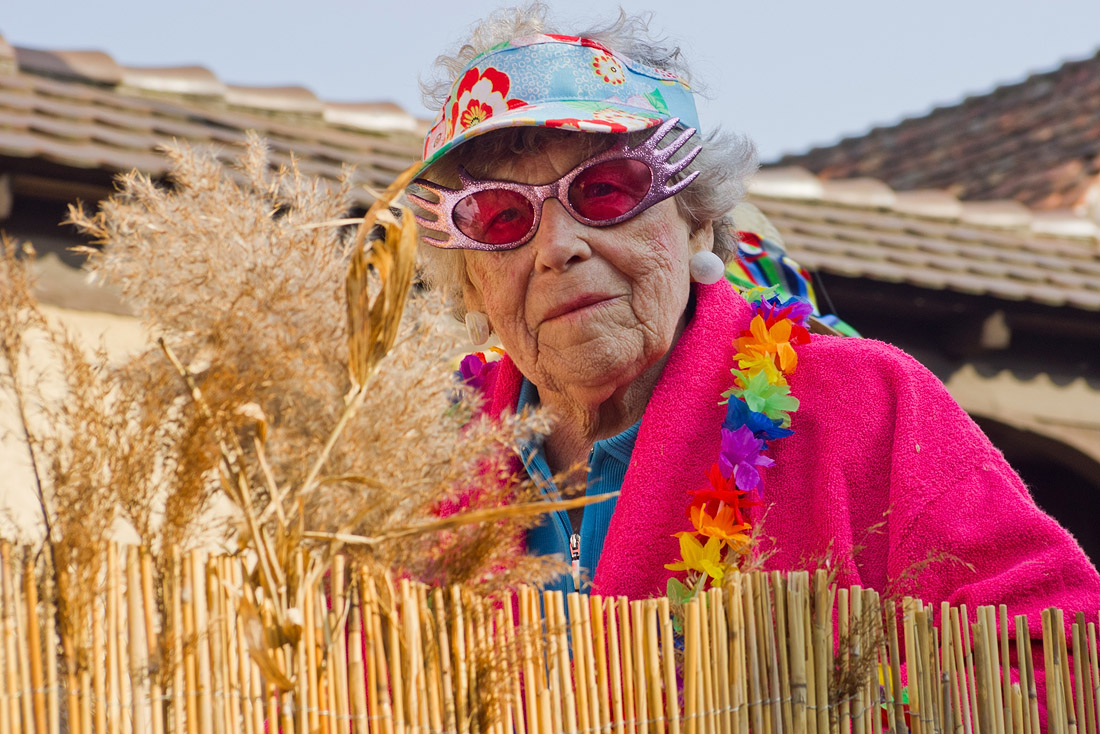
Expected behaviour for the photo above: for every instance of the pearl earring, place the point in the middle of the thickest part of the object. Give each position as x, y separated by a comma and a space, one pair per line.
705, 267
477, 327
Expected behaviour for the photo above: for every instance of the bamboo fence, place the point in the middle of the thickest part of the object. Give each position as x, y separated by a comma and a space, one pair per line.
766, 653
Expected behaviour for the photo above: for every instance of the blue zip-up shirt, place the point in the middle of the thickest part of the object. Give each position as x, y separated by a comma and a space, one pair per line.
606, 468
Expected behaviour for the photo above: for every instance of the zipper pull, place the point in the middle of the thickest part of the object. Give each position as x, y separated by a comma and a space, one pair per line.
575, 557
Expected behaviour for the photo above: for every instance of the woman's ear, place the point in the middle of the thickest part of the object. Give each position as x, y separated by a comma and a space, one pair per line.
702, 239
478, 327
471, 295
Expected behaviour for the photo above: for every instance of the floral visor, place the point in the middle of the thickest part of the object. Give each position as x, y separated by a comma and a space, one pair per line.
556, 81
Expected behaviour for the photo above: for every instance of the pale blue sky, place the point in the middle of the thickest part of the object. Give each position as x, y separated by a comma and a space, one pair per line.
790, 74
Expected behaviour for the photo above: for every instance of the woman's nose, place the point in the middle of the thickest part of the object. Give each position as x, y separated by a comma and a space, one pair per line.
560, 240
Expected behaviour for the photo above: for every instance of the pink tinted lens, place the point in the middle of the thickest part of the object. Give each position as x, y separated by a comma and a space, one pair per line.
610, 189
494, 216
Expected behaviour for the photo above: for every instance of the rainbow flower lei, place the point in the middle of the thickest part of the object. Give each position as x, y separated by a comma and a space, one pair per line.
758, 410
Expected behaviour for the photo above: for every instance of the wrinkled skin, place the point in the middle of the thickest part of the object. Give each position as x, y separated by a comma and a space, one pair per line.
588, 314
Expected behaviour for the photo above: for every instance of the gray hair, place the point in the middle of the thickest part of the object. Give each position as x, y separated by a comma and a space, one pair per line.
724, 164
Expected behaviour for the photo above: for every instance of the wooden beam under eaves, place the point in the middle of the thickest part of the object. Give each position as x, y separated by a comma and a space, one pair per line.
5, 196
53, 189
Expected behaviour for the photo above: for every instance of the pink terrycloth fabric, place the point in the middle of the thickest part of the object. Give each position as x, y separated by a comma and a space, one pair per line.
882, 458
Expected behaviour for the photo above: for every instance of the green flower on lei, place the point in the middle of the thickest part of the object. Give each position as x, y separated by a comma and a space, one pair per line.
774, 401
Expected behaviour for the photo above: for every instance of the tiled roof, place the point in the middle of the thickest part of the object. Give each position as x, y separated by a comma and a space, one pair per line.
82, 110
863, 229
1036, 142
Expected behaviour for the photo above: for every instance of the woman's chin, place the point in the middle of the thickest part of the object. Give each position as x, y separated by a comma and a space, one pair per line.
596, 367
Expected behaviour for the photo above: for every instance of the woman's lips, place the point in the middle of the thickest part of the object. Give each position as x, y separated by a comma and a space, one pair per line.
574, 305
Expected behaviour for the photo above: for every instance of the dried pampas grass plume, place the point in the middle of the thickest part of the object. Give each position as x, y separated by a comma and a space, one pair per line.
293, 376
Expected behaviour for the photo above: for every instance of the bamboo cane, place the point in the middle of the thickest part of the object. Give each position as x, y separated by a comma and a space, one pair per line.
883, 660
7, 682
1006, 671
926, 679
472, 661
309, 700
968, 659
139, 646
626, 650
1086, 679
1023, 656
459, 637
844, 621
912, 664
114, 680
1079, 678
599, 641
755, 693
432, 649
249, 688
446, 677
356, 670
796, 600
53, 699
528, 630
388, 612
125, 702
618, 710
1017, 708
1058, 626
782, 635
765, 643
219, 685
235, 683
202, 643
958, 640
378, 701
570, 708
953, 698
648, 667
597, 706
811, 664
691, 666
85, 723
182, 707
13, 719
34, 642
1094, 673
1055, 710
698, 635
994, 678
156, 689
668, 659
573, 603
336, 649
721, 658
26, 706
855, 646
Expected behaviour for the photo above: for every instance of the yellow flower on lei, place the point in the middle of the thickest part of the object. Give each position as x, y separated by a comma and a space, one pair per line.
698, 557
774, 341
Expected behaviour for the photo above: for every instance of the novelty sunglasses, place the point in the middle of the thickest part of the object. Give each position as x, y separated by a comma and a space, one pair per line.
608, 188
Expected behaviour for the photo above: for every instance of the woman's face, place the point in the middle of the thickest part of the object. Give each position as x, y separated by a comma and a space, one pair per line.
582, 308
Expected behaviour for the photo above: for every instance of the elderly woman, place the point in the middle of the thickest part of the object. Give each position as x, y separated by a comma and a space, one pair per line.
573, 208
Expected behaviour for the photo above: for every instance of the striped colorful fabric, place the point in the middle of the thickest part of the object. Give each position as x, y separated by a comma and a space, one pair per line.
762, 262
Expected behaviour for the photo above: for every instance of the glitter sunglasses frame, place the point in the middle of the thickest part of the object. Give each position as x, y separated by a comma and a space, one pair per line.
646, 151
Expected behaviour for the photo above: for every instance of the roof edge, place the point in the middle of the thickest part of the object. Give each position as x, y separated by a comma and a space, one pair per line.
798, 184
